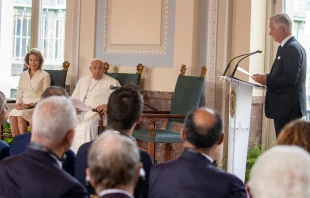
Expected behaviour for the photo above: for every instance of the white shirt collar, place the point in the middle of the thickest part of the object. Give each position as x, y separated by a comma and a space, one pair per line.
110, 191
286, 39
208, 157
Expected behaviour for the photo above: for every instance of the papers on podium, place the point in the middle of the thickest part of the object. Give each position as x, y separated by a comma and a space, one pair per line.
245, 72
79, 105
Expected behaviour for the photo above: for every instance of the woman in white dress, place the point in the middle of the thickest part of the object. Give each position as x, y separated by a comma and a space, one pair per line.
32, 83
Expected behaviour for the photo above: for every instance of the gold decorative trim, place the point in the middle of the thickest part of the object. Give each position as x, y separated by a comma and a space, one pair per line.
183, 69
232, 102
65, 65
106, 67
203, 71
140, 68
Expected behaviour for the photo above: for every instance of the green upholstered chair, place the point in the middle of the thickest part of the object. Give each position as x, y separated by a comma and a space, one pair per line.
123, 79
58, 77
186, 97
126, 78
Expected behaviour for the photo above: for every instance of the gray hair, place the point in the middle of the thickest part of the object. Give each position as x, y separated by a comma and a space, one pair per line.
282, 19
282, 171
53, 117
113, 160
2, 101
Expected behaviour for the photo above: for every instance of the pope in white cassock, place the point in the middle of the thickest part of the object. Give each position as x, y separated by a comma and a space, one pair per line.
94, 91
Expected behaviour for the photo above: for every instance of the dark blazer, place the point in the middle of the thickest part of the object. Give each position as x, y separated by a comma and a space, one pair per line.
141, 189
20, 142
193, 175
4, 150
115, 195
35, 173
286, 95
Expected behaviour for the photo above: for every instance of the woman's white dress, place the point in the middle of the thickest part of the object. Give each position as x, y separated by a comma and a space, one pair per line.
30, 91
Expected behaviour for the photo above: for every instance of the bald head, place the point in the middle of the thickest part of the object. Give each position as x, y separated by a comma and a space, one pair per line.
113, 161
203, 128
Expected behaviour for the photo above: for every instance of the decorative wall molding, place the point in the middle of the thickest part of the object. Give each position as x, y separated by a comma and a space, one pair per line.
129, 58
211, 51
144, 48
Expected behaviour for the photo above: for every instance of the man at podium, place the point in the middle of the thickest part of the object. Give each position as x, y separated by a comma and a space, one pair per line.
286, 95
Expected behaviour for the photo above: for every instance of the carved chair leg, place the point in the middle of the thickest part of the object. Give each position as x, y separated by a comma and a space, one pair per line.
168, 151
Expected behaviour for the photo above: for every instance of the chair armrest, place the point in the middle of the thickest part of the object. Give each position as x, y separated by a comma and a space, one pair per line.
167, 116
156, 112
10, 100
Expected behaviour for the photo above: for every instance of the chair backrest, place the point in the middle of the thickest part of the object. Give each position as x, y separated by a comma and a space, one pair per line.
126, 78
186, 96
58, 77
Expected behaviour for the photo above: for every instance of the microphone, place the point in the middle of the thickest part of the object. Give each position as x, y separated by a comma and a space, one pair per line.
258, 51
237, 65
112, 87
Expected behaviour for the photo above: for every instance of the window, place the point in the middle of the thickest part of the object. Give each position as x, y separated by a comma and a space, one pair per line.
34, 23
299, 11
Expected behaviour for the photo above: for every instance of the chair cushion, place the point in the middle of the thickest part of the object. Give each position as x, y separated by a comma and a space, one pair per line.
161, 136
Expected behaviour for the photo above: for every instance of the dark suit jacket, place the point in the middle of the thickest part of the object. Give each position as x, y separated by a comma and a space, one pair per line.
35, 173
193, 175
286, 95
19, 145
141, 189
4, 150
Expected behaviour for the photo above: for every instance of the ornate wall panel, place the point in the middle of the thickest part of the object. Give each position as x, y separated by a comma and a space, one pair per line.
128, 32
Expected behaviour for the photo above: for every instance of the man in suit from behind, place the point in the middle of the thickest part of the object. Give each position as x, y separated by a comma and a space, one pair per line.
124, 110
37, 171
193, 174
286, 95
114, 165
20, 142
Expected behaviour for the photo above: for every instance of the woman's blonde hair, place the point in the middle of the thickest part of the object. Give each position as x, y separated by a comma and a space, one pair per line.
296, 133
36, 52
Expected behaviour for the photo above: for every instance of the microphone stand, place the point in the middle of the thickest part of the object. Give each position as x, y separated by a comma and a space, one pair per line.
248, 54
237, 65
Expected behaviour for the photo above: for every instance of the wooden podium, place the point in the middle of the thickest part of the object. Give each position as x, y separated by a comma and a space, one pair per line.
240, 102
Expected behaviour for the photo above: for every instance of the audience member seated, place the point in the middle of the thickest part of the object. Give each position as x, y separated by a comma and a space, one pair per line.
282, 171
4, 148
94, 91
123, 112
19, 145
296, 133
37, 171
32, 83
114, 165
193, 174
20, 142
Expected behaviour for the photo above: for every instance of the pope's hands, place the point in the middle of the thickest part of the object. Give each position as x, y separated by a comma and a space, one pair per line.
102, 109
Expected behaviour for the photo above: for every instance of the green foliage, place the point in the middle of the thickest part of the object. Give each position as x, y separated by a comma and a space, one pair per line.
7, 133
254, 152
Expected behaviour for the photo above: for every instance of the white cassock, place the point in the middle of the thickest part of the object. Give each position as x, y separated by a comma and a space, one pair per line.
93, 93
